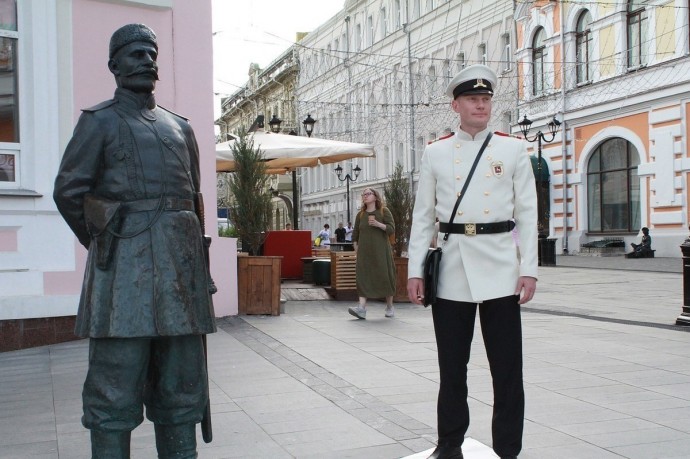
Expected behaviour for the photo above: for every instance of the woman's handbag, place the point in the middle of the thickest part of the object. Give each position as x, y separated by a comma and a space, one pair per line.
432, 262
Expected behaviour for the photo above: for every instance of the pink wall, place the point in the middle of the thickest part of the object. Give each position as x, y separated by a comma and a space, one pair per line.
8, 240
186, 86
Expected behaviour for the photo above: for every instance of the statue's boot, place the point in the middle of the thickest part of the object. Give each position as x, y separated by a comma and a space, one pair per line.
110, 445
176, 441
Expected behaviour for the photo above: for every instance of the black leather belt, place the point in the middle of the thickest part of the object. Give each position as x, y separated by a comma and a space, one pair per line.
471, 229
169, 203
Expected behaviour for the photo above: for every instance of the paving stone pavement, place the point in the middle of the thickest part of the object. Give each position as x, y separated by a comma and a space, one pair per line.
606, 376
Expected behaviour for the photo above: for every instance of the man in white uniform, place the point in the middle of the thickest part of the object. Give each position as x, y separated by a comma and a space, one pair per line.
480, 267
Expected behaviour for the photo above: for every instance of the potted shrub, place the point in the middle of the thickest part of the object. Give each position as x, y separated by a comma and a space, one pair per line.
400, 201
258, 278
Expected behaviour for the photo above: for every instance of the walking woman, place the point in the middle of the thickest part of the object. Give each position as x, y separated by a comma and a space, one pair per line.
375, 267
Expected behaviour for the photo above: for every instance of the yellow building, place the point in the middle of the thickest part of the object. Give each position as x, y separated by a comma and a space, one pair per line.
617, 77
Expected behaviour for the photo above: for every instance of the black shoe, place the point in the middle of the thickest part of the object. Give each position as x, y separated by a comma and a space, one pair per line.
447, 452
508, 457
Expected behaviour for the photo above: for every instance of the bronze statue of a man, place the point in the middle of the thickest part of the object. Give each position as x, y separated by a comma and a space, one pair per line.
127, 187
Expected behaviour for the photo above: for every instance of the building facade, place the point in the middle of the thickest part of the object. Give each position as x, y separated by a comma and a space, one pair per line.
53, 57
269, 93
616, 74
376, 73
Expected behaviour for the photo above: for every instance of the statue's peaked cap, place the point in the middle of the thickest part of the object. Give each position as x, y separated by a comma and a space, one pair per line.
129, 34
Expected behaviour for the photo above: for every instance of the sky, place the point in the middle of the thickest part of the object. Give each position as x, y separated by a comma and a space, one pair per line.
253, 31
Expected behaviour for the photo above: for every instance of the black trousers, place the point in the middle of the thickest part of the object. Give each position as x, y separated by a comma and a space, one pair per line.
502, 333
167, 374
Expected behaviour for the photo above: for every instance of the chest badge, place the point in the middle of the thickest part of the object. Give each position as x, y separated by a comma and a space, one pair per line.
497, 168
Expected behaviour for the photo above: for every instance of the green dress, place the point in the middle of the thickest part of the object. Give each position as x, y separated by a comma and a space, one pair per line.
375, 267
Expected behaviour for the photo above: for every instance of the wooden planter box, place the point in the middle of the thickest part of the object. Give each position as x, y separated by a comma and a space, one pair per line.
401, 280
258, 285
343, 276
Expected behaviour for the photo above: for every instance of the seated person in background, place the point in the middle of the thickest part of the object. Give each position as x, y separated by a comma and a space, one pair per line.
644, 247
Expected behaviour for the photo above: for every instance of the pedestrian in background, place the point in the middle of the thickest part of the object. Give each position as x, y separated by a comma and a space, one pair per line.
480, 267
375, 268
340, 233
325, 236
348, 232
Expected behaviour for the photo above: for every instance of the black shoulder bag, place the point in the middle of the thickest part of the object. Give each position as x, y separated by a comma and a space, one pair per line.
432, 262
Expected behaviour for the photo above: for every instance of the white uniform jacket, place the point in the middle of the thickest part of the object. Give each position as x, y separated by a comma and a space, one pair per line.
484, 266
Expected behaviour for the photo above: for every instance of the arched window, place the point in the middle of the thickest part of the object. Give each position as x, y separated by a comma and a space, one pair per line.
613, 189
583, 50
538, 54
637, 33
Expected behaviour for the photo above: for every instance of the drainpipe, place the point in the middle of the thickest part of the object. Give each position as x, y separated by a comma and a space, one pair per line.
413, 147
564, 147
348, 65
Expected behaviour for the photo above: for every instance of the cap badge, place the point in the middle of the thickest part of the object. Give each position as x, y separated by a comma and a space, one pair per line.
480, 83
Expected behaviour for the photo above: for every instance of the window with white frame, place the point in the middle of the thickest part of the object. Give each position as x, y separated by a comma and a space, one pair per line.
397, 15
9, 103
613, 187
538, 55
507, 57
446, 72
419, 150
358, 37
384, 23
416, 9
460, 59
583, 48
637, 33
387, 160
481, 53
506, 121
371, 33
399, 152
399, 94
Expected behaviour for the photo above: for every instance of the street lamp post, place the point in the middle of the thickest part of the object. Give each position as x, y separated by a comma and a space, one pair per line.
275, 128
309, 123
275, 124
348, 178
540, 137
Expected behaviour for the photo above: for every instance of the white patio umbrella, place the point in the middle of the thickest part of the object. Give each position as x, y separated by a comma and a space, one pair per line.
285, 153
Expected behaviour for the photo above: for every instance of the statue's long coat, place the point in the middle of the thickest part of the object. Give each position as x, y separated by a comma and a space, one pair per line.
129, 149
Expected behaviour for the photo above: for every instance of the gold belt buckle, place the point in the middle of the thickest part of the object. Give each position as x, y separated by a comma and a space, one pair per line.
470, 229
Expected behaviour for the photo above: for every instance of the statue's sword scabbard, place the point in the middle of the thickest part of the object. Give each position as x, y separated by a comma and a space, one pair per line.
206, 428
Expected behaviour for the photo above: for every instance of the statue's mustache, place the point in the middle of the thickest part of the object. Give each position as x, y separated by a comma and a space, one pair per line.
152, 72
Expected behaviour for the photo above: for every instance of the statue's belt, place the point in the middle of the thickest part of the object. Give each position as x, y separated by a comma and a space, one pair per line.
167, 203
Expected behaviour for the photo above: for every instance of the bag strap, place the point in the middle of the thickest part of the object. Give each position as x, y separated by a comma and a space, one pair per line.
467, 182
